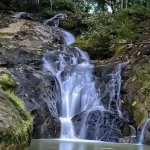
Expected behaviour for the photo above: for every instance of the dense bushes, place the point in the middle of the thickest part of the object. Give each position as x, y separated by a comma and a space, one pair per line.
44, 6
102, 34
96, 39
108, 34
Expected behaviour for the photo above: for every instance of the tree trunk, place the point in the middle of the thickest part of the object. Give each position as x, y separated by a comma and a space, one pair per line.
126, 3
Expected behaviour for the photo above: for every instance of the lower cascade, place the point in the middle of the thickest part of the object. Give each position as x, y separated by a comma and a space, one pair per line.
144, 130
90, 105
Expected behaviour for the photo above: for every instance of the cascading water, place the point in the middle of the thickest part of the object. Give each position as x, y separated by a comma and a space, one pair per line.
75, 80
144, 130
79, 95
54, 21
74, 73
68, 37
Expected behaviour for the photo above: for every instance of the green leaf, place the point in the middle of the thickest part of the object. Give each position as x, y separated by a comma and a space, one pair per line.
134, 103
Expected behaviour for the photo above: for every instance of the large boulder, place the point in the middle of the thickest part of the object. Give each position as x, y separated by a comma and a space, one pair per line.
98, 125
75, 23
15, 123
22, 47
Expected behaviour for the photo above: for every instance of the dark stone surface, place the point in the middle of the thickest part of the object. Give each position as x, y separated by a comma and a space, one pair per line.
45, 124
103, 126
38, 90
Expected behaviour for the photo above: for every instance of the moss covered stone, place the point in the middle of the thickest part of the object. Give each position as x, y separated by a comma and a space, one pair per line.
108, 35
96, 49
75, 23
15, 122
6, 81
142, 84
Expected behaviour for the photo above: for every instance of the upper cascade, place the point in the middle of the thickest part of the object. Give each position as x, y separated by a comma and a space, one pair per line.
86, 111
81, 100
68, 37
54, 21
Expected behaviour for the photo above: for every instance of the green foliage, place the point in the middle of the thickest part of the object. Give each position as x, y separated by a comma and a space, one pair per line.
115, 5
142, 84
141, 2
109, 33
123, 24
72, 5
20, 131
97, 36
74, 23
67, 6
43, 6
143, 78
6, 81
59, 5
15, 99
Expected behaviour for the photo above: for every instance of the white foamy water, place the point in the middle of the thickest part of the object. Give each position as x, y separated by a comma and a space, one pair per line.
77, 84
78, 91
144, 130
74, 73
66, 123
68, 37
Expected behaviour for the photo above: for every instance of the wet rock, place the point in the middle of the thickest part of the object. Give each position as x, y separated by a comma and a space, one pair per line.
38, 91
46, 123
74, 23
54, 21
15, 123
128, 139
135, 90
21, 15
100, 125
23, 46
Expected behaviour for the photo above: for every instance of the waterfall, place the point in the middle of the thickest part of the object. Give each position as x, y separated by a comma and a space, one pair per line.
54, 21
143, 131
85, 108
101, 119
76, 82
68, 37
74, 73
21, 15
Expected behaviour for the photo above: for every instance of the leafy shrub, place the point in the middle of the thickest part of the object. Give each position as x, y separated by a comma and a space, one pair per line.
109, 33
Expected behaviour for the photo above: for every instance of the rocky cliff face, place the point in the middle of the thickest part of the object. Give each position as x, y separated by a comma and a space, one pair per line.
136, 89
22, 45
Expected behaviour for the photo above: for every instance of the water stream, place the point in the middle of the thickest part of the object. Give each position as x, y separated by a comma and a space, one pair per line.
144, 130
68, 37
90, 105
73, 71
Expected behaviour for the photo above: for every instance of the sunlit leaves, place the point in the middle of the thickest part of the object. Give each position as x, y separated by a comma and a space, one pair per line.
134, 103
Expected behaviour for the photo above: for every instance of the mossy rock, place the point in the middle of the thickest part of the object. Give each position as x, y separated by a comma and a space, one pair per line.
15, 122
96, 50
75, 23
86, 46
6, 82
118, 48
142, 84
